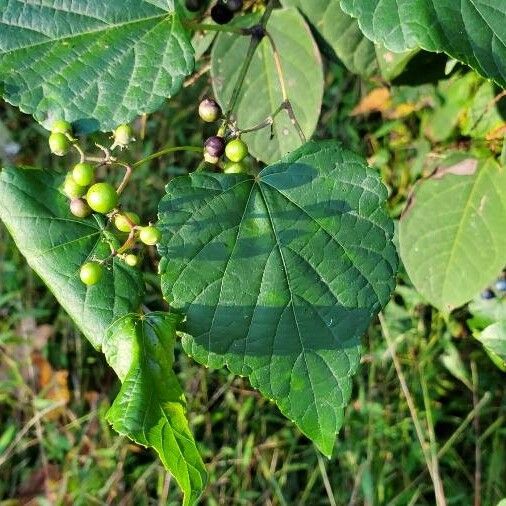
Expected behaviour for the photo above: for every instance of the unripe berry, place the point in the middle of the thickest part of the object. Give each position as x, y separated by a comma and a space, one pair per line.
209, 110
215, 146
123, 135
221, 14
72, 189
60, 126
59, 144
102, 198
235, 168
236, 150
91, 273
131, 260
122, 224
213, 160
79, 208
150, 235
83, 173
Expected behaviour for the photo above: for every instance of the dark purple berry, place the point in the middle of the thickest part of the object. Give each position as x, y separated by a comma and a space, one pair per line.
221, 14
487, 294
193, 5
500, 285
233, 5
215, 146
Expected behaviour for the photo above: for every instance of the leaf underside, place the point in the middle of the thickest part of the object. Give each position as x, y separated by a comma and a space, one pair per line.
279, 275
94, 63
473, 31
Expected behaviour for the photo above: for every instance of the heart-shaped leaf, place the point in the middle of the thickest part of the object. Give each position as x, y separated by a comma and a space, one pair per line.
280, 274
261, 95
468, 30
448, 239
56, 244
93, 63
150, 407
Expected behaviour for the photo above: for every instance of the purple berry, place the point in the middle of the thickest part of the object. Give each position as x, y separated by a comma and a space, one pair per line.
215, 146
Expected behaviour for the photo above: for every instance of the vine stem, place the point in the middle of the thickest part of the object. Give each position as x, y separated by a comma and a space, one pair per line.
166, 151
207, 27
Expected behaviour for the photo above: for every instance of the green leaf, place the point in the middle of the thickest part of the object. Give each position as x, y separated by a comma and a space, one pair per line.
341, 32
150, 407
471, 31
493, 339
450, 234
280, 274
94, 63
261, 94
56, 244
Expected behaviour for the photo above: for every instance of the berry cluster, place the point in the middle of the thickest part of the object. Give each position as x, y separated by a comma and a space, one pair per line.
235, 149
499, 289
87, 196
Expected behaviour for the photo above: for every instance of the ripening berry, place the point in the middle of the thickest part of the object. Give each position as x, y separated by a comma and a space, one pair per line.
59, 144
209, 110
234, 5
102, 198
193, 5
83, 173
132, 260
123, 135
79, 208
122, 224
72, 189
91, 273
60, 126
221, 14
150, 235
487, 294
235, 168
236, 150
215, 146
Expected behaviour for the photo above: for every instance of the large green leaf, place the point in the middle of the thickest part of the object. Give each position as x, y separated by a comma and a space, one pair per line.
150, 407
450, 234
91, 62
341, 32
56, 244
261, 94
473, 31
280, 274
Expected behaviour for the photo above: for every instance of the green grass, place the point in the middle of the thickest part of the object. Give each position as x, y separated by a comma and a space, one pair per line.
254, 455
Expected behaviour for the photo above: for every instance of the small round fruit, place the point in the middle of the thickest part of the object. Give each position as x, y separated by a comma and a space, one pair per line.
72, 189
209, 110
60, 126
500, 285
59, 144
221, 14
234, 5
123, 135
236, 150
235, 168
79, 208
102, 197
150, 235
122, 224
193, 5
83, 173
215, 146
213, 160
487, 294
91, 273
132, 260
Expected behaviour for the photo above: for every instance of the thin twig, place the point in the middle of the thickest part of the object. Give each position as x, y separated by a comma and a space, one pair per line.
477, 447
166, 151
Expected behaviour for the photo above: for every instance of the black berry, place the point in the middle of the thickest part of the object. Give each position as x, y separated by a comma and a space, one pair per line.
234, 5
215, 146
487, 294
221, 14
193, 5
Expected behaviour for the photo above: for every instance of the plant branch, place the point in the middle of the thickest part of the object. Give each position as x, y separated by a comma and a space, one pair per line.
166, 151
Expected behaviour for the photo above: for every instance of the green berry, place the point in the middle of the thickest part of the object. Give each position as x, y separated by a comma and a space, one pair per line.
132, 260
60, 126
213, 160
102, 198
123, 135
59, 144
150, 235
236, 150
79, 208
83, 173
72, 189
209, 110
235, 168
122, 224
91, 273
